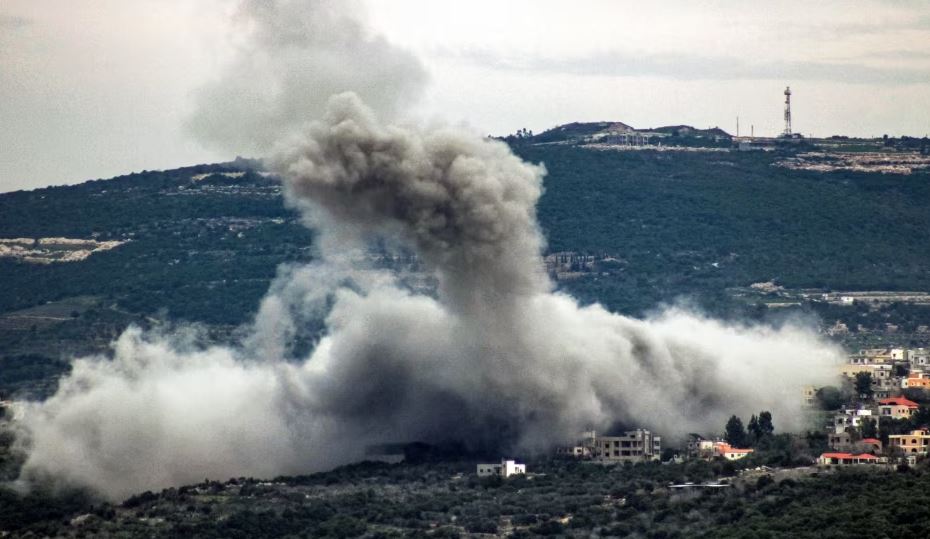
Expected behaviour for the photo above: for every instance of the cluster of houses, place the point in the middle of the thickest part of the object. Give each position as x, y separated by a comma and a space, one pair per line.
852, 434
853, 429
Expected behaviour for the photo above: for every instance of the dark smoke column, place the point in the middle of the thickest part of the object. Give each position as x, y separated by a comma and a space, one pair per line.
467, 205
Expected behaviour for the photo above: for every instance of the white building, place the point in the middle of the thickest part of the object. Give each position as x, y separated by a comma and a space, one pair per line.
506, 468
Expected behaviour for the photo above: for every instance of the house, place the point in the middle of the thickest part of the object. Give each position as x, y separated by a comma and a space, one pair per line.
851, 417
574, 451
809, 396
505, 469
897, 407
918, 357
915, 443
839, 440
698, 447
879, 371
917, 379
847, 459
725, 450
638, 445
873, 445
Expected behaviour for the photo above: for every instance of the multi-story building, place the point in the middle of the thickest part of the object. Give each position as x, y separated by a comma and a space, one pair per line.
638, 445
915, 443
851, 417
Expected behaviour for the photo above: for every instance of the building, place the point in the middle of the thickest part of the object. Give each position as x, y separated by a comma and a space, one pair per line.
919, 380
638, 445
915, 443
505, 469
848, 459
851, 417
839, 440
809, 396
873, 445
897, 407
725, 450
708, 449
918, 357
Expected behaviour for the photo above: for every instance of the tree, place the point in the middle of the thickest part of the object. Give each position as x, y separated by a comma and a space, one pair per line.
869, 429
829, 398
735, 433
753, 428
765, 423
864, 384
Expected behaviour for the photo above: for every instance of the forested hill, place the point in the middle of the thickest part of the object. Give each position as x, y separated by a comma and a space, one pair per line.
691, 221
202, 243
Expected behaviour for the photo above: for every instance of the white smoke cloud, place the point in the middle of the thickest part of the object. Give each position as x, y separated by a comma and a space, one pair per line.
494, 358
292, 55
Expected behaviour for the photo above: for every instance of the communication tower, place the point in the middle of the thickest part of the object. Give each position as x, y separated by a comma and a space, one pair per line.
787, 132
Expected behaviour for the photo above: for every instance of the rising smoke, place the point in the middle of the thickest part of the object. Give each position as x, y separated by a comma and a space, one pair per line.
493, 357
291, 56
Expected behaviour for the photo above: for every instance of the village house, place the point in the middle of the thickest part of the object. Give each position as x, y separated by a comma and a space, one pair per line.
505, 469
848, 459
839, 440
708, 449
897, 407
918, 358
872, 445
725, 450
851, 417
919, 380
915, 443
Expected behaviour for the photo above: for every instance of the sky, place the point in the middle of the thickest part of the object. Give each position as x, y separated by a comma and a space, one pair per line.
98, 88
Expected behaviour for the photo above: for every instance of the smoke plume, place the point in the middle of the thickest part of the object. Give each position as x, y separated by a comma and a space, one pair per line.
492, 356
495, 358
291, 56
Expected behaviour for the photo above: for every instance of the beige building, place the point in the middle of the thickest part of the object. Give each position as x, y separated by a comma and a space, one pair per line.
897, 407
915, 443
638, 445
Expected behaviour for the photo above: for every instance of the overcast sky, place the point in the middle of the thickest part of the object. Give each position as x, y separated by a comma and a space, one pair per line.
97, 88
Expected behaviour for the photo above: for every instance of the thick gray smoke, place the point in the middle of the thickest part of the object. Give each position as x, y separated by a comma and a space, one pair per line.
292, 55
495, 358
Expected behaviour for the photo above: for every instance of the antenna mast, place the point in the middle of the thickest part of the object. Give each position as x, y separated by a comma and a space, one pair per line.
787, 132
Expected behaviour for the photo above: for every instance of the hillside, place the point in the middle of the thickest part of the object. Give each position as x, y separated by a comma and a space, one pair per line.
446, 499
201, 244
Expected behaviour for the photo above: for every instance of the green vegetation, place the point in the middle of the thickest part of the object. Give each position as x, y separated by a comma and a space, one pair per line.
445, 499
691, 223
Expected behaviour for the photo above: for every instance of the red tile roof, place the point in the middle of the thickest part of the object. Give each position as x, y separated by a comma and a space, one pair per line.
899, 401
871, 441
865, 456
